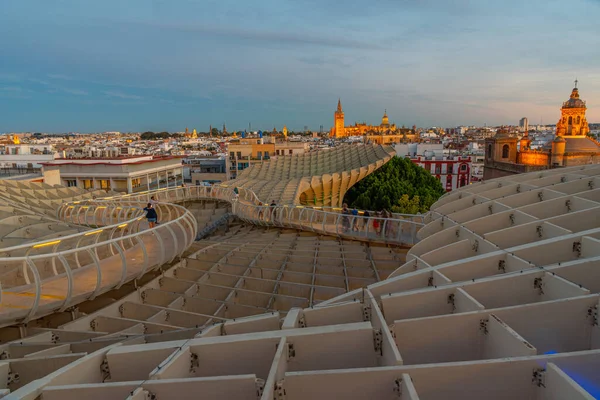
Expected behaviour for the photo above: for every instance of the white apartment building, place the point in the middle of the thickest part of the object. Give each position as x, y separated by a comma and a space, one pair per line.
122, 174
29, 156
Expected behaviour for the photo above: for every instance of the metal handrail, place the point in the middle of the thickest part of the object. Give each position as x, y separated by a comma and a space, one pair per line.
396, 230
121, 236
118, 225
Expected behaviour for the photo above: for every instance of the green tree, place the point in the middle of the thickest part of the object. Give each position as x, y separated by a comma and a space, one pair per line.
399, 186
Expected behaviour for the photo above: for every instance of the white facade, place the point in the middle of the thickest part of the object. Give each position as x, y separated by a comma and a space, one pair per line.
418, 149
128, 174
27, 155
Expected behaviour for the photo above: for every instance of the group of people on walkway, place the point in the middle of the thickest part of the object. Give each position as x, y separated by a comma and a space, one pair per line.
377, 221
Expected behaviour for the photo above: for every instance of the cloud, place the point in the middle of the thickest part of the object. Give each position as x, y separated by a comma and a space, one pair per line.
75, 92
266, 36
14, 89
121, 95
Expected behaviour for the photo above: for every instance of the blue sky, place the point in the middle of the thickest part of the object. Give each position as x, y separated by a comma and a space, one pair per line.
136, 65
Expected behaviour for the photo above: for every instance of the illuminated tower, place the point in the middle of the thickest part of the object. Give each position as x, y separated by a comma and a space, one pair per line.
194, 134
284, 131
385, 122
572, 119
224, 130
338, 121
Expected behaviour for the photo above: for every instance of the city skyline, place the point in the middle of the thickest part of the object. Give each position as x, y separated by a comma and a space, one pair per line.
160, 66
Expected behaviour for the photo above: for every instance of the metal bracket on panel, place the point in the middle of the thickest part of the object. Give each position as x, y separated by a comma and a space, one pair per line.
121, 309
430, 281
302, 321
291, 351
474, 201
149, 395
519, 188
194, 363
591, 184
378, 341
161, 281
475, 246
512, 219
398, 387
593, 315
260, 387
538, 377
167, 316
143, 296
457, 233
577, 248
490, 209
451, 301
563, 179
568, 205
54, 339
105, 370
538, 283
12, 377
279, 390
541, 196
540, 231
93, 324
366, 312
483, 326
5, 355
502, 265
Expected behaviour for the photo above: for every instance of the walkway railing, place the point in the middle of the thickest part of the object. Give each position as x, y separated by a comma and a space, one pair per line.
37, 279
53, 275
401, 229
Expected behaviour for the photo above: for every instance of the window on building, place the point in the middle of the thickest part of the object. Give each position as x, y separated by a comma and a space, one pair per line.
489, 151
463, 167
578, 120
136, 182
463, 181
438, 169
88, 184
104, 184
259, 154
239, 154
266, 154
570, 120
231, 154
71, 183
505, 150
291, 151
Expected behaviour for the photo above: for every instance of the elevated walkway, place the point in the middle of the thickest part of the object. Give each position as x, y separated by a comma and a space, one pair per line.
40, 278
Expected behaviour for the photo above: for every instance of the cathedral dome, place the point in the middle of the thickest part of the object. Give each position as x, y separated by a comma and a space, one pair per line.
574, 101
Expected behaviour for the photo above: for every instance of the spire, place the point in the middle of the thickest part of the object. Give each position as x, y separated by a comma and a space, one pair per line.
576, 82
339, 105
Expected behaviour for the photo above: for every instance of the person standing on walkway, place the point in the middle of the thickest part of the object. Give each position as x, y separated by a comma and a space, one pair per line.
260, 210
354, 219
345, 218
151, 215
273, 211
366, 216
